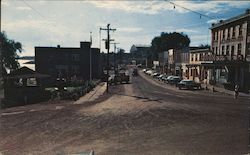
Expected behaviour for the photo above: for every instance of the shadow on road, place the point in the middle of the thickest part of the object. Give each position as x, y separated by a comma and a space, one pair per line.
139, 97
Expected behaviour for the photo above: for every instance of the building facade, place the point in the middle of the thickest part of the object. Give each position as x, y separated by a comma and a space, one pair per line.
163, 61
231, 49
177, 61
198, 67
68, 62
142, 55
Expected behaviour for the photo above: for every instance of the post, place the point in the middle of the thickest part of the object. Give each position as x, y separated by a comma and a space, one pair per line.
1, 65
107, 47
90, 58
108, 44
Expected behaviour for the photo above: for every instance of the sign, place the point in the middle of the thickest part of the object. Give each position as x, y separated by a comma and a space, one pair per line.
156, 63
222, 58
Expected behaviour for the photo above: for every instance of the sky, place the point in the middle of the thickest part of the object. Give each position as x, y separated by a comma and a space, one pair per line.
66, 23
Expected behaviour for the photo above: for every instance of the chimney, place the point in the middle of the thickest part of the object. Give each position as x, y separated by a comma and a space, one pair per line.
85, 44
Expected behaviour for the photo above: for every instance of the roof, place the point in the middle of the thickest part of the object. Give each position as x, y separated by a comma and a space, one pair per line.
200, 50
233, 19
141, 46
25, 72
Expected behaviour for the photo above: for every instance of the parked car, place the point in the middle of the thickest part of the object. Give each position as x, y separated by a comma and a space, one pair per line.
149, 72
160, 76
154, 75
173, 79
188, 84
167, 79
164, 78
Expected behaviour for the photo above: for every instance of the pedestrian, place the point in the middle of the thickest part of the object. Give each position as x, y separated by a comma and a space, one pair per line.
236, 91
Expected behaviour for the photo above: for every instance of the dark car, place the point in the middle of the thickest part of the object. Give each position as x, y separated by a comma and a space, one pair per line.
173, 79
189, 84
135, 72
164, 78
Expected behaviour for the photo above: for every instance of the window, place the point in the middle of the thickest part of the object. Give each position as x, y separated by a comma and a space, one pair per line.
228, 33
216, 51
75, 57
201, 56
192, 57
222, 50
215, 36
196, 57
233, 36
232, 50
223, 34
240, 30
227, 50
239, 49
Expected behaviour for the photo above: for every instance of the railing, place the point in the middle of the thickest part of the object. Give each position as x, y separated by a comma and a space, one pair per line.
222, 58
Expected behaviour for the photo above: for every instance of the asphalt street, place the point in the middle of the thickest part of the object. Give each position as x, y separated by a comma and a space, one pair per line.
144, 117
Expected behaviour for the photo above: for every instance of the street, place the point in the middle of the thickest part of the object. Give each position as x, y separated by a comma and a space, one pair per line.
144, 117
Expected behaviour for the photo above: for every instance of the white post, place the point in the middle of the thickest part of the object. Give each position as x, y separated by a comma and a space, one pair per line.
90, 59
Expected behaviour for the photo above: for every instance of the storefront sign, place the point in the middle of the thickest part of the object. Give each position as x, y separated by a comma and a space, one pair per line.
221, 58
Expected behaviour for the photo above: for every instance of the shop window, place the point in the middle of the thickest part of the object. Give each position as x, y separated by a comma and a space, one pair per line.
223, 72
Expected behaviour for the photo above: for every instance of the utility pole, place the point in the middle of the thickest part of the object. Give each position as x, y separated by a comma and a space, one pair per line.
114, 52
1, 65
107, 43
90, 58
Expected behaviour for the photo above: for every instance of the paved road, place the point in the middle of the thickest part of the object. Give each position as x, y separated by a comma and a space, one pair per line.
145, 117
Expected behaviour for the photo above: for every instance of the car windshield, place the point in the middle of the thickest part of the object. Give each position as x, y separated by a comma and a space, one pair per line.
187, 81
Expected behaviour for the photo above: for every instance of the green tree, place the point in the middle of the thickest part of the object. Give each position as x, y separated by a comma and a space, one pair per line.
9, 49
167, 41
204, 46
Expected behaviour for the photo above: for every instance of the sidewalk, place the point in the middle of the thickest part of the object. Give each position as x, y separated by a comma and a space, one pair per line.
223, 90
94, 94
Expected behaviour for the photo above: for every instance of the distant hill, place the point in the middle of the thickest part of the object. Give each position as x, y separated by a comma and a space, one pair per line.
26, 58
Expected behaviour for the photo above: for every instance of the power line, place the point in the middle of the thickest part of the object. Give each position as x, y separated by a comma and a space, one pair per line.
200, 14
33, 9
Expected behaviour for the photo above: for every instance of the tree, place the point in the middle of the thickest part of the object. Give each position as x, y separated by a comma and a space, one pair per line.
204, 46
9, 52
167, 41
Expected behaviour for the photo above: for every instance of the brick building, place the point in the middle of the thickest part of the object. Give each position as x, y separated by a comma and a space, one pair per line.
231, 49
68, 62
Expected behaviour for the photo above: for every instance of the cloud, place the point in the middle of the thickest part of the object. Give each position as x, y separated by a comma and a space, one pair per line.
5, 3
186, 30
129, 29
23, 8
155, 7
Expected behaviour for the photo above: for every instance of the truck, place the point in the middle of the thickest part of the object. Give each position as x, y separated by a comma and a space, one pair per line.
120, 78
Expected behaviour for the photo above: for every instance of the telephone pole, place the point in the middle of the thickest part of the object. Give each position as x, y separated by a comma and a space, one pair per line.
90, 58
107, 45
1, 65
